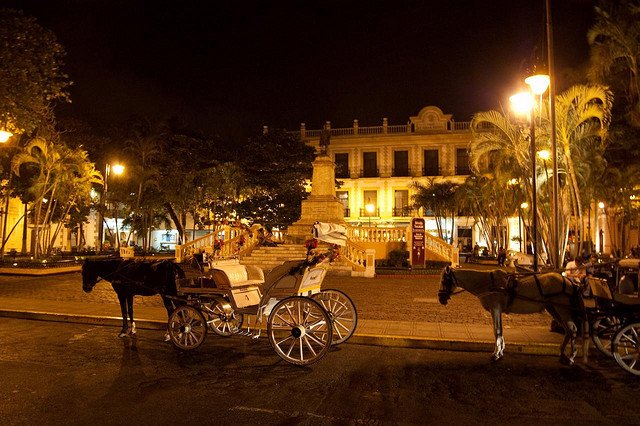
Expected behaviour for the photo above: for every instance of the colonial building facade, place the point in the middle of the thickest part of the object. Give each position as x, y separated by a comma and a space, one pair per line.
378, 166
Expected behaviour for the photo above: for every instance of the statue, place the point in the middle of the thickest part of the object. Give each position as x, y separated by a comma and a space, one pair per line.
325, 140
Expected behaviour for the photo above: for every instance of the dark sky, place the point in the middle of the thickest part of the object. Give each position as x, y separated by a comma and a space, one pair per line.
230, 66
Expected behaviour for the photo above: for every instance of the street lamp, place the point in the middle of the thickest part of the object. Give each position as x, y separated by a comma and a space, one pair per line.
524, 205
5, 135
523, 103
116, 169
369, 208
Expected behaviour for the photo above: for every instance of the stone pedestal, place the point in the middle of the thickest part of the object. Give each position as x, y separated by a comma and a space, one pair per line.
322, 205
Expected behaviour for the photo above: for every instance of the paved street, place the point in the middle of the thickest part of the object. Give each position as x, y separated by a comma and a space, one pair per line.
77, 374
391, 298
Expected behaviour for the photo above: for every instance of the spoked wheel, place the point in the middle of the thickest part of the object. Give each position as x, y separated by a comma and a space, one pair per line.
222, 319
342, 312
602, 331
187, 327
299, 330
626, 348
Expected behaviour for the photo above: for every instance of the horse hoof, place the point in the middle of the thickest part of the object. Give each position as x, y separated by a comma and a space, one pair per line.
496, 358
122, 334
565, 360
167, 337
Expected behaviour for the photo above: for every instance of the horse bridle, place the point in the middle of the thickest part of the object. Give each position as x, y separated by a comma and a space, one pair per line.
449, 280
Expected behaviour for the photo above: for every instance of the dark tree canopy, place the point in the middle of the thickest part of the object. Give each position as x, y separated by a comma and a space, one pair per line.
31, 76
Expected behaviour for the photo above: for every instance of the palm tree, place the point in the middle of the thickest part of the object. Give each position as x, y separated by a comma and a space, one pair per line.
615, 51
438, 197
61, 179
582, 118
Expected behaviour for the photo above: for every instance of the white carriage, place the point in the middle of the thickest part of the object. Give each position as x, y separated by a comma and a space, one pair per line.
302, 320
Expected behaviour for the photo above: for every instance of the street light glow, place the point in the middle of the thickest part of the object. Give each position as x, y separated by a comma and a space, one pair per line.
524, 205
538, 83
544, 154
522, 102
601, 205
369, 208
4, 136
117, 169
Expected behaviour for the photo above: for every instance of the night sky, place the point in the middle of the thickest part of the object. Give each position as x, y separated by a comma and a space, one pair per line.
232, 66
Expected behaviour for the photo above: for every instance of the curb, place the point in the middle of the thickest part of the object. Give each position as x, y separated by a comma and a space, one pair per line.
397, 341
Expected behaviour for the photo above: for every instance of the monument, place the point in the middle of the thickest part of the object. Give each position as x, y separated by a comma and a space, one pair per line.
322, 204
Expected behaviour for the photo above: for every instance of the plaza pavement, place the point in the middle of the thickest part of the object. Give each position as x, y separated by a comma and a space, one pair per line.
394, 310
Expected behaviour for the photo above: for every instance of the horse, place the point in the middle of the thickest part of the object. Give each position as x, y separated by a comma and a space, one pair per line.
500, 292
131, 277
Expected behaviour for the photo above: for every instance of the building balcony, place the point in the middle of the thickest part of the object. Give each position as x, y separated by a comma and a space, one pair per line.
402, 212
365, 213
369, 173
431, 171
401, 172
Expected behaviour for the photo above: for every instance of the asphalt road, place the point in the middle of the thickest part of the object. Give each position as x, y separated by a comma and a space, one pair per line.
63, 373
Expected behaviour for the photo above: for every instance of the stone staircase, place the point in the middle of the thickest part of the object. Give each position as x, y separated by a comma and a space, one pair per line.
269, 257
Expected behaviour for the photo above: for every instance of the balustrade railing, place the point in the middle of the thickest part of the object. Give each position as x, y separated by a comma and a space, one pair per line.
452, 126
442, 249
223, 242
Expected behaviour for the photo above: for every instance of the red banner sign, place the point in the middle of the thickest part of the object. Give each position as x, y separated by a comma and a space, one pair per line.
417, 242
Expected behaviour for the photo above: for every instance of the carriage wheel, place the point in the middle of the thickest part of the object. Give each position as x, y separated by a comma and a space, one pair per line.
602, 331
342, 312
222, 319
626, 348
299, 330
187, 327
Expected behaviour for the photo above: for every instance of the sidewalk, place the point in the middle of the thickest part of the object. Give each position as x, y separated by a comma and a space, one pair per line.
392, 310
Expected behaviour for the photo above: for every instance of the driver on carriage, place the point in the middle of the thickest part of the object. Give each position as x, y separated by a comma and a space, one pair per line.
576, 270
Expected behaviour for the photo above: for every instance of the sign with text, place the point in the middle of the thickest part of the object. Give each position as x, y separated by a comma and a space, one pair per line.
417, 242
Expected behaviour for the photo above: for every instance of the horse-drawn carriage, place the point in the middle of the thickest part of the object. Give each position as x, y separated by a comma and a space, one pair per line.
302, 320
613, 319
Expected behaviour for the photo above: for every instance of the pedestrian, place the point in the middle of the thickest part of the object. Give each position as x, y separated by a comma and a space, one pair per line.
502, 256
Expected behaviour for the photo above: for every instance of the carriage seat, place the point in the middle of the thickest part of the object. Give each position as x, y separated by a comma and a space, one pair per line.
236, 276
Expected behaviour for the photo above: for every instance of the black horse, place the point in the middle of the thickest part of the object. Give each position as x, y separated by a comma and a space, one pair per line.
133, 277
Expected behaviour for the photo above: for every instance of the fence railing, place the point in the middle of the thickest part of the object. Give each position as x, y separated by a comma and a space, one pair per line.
224, 242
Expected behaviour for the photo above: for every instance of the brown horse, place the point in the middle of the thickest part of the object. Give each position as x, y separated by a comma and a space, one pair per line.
133, 277
500, 292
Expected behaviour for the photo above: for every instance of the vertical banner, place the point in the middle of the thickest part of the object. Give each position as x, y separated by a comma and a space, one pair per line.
417, 242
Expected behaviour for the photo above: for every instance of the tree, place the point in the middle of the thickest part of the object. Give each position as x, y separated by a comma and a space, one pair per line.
583, 115
439, 198
276, 165
615, 53
60, 180
31, 76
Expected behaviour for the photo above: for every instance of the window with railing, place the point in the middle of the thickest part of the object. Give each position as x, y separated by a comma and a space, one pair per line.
369, 164
462, 162
400, 163
403, 211
431, 163
366, 173
342, 165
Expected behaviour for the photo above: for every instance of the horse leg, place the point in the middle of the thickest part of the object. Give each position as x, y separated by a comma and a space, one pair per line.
170, 307
123, 309
496, 315
570, 333
132, 328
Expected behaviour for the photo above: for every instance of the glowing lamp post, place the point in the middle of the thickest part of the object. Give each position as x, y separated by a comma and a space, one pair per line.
524, 103
369, 208
4, 136
116, 169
